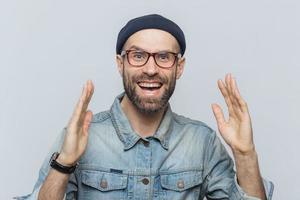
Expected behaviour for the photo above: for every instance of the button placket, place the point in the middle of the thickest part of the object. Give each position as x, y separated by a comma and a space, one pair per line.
145, 181
145, 143
143, 163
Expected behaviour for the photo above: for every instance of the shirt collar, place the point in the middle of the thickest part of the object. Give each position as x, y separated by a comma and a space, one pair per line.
128, 136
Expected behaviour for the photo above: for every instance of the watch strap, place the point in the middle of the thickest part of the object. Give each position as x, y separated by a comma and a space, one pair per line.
59, 167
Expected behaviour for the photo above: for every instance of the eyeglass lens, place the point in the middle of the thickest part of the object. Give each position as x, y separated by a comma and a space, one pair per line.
140, 58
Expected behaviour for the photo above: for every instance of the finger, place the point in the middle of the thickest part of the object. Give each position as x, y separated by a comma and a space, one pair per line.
242, 103
82, 104
90, 91
234, 86
219, 115
227, 99
227, 81
79, 104
236, 106
228, 84
86, 122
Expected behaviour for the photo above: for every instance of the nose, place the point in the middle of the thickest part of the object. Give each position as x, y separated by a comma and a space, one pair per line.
150, 68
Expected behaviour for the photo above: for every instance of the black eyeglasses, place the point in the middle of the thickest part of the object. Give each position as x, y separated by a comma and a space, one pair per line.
163, 59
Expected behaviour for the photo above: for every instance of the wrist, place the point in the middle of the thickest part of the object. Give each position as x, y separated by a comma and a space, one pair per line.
246, 159
245, 151
245, 154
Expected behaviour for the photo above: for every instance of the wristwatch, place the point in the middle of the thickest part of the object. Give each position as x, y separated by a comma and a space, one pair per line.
59, 167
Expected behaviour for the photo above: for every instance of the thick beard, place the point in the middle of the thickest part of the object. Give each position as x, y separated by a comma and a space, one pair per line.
148, 105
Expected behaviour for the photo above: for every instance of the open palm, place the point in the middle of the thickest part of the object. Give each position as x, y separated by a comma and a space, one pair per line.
237, 130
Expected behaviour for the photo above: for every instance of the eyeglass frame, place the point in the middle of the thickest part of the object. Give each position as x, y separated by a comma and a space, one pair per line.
177, 56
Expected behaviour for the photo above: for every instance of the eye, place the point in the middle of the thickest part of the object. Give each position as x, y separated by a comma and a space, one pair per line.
164, 57
138, 55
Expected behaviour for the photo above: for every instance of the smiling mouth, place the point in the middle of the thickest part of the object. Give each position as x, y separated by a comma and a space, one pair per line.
150, 85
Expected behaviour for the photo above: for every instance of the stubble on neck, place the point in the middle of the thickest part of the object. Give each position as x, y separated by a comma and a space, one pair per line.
144, 124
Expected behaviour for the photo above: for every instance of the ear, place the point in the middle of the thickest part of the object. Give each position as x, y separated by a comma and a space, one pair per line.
180, 67
119, 60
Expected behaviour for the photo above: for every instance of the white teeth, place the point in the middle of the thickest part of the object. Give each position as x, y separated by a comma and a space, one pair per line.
149, 85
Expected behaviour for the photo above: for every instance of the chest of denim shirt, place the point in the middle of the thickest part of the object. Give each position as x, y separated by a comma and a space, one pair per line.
118, 164
184, 160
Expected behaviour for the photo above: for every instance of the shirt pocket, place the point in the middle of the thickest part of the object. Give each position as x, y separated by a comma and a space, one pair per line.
103, 185
181, 185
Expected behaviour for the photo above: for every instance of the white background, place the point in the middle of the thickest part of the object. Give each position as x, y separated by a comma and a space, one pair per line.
49, 48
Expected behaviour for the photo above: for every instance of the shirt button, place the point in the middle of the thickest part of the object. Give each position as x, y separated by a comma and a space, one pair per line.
146, 143
145, 181
180, 184
103, 184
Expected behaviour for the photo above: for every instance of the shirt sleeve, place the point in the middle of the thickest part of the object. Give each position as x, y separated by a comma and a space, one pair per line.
44, 170
268, 185
220, 181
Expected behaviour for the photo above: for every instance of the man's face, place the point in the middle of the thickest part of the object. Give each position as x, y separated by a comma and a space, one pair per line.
150, 87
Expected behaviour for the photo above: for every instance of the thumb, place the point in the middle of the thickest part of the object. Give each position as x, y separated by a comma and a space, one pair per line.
219, 115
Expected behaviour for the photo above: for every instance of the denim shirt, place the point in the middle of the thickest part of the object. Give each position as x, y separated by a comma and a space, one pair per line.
184, 159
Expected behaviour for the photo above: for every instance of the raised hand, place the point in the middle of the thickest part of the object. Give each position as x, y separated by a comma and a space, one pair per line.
76, 137
237, 130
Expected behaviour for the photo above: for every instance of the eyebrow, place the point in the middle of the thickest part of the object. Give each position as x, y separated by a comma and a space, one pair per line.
136, 47
141, 49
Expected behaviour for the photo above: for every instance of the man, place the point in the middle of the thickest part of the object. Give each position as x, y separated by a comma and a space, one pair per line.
140, 149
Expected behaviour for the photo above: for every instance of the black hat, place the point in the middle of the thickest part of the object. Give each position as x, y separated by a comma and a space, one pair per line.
153, 21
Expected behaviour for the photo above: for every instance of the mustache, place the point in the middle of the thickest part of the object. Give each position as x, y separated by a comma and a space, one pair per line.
145, 77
